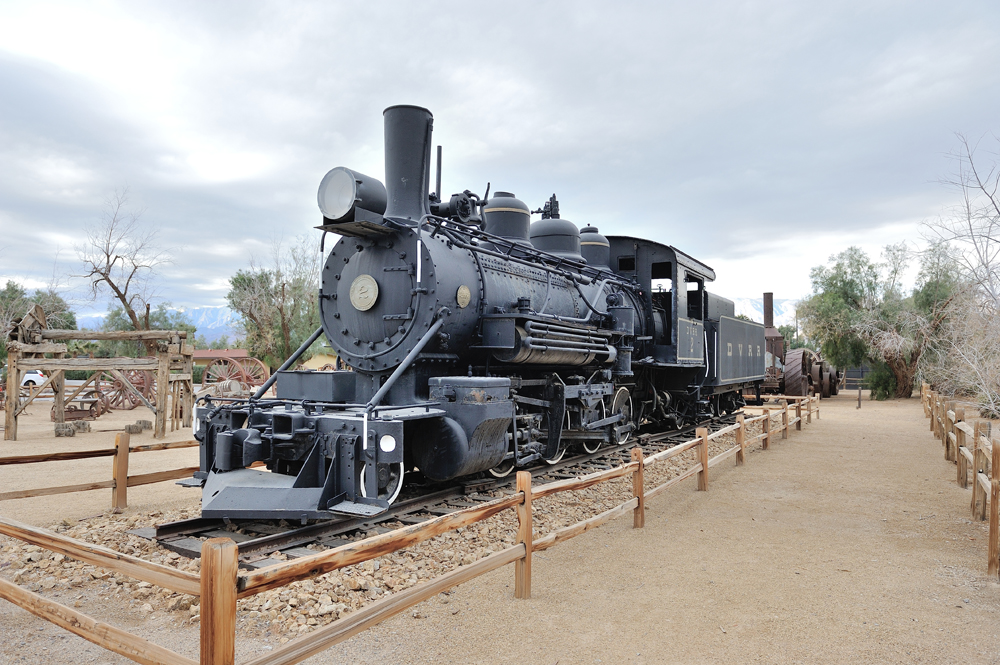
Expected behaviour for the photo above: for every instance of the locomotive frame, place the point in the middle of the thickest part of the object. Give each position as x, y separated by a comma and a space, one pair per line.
479, 343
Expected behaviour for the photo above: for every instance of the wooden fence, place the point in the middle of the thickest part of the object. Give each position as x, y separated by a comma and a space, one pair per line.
220, 582
120, 480
972, 444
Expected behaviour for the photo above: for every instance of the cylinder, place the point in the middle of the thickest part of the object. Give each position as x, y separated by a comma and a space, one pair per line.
768, 310
407, 161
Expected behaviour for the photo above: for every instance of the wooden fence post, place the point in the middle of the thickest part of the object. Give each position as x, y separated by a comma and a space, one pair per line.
119, 493
798, 415
994, 547
979, 497
162, 388
784, 421
702, 433
219, 568
638, 491
58, 393
809, 410
932, 402
13, 389
924, 402
766, 444
817, 407
522, 567
959, 443
949, 452
741, 436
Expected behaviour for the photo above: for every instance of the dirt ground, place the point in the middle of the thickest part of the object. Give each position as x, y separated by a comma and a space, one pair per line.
848, 542
35, 436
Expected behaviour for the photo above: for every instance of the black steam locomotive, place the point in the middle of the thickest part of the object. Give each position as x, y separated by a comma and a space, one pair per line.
479, 342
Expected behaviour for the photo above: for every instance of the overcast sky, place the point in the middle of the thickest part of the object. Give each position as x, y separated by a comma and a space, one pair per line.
759, 137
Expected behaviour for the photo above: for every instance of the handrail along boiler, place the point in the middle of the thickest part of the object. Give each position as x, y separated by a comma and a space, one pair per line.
479, 342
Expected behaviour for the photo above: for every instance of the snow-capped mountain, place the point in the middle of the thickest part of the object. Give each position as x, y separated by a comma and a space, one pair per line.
784, 310
211, 322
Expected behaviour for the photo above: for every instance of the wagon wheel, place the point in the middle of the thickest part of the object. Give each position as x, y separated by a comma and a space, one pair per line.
223, 369
119, 397
102, 405
329, 367
255, 371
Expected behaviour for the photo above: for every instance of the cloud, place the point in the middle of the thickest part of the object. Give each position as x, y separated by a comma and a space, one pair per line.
761, 140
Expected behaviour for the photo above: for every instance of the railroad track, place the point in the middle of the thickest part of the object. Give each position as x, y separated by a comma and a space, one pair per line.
258, 540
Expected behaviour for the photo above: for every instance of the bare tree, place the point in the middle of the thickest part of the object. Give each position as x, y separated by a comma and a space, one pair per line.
967, 355
120, 257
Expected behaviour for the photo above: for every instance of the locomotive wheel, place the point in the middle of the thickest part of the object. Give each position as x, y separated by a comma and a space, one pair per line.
503, 469
622, 403
393, 485
557, 458
591, 446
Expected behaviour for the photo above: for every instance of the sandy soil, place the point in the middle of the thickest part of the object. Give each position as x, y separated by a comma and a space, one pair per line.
848, 542
35, 436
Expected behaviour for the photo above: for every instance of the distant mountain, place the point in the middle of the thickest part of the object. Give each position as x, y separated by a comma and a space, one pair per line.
784, 310
211, 322
214, 322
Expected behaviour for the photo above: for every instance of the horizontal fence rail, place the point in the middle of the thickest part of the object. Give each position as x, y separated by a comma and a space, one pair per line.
219, 582
120, 481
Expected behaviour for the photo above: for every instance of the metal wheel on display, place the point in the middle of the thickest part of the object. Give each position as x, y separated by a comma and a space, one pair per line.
826, 382
834, 382
796, 378
103, 404
223, 369
622, 403
255, 371
390, 481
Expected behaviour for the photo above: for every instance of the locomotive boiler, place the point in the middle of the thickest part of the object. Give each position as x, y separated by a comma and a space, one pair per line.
478, 342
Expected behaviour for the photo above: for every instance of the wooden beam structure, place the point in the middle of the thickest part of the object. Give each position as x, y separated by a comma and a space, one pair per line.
173, 365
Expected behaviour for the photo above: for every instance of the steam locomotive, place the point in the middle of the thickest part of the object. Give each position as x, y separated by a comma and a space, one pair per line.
478, 342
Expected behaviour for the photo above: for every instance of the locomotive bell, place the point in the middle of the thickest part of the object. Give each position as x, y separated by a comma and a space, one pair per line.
507, 217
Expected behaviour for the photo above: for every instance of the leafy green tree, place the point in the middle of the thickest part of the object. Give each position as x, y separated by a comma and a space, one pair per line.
278, 303
161, 318
792, 338
859, 312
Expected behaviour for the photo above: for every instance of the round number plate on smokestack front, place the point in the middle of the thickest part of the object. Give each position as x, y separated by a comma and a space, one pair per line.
364, 292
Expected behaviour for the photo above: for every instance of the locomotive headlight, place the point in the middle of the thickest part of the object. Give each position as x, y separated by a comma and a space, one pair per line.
343, 191
387, 443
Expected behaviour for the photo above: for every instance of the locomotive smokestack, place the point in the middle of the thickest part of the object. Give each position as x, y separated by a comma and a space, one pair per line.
768, 310
407, 161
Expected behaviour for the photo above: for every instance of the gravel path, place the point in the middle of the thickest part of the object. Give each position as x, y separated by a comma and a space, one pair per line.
848, 542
